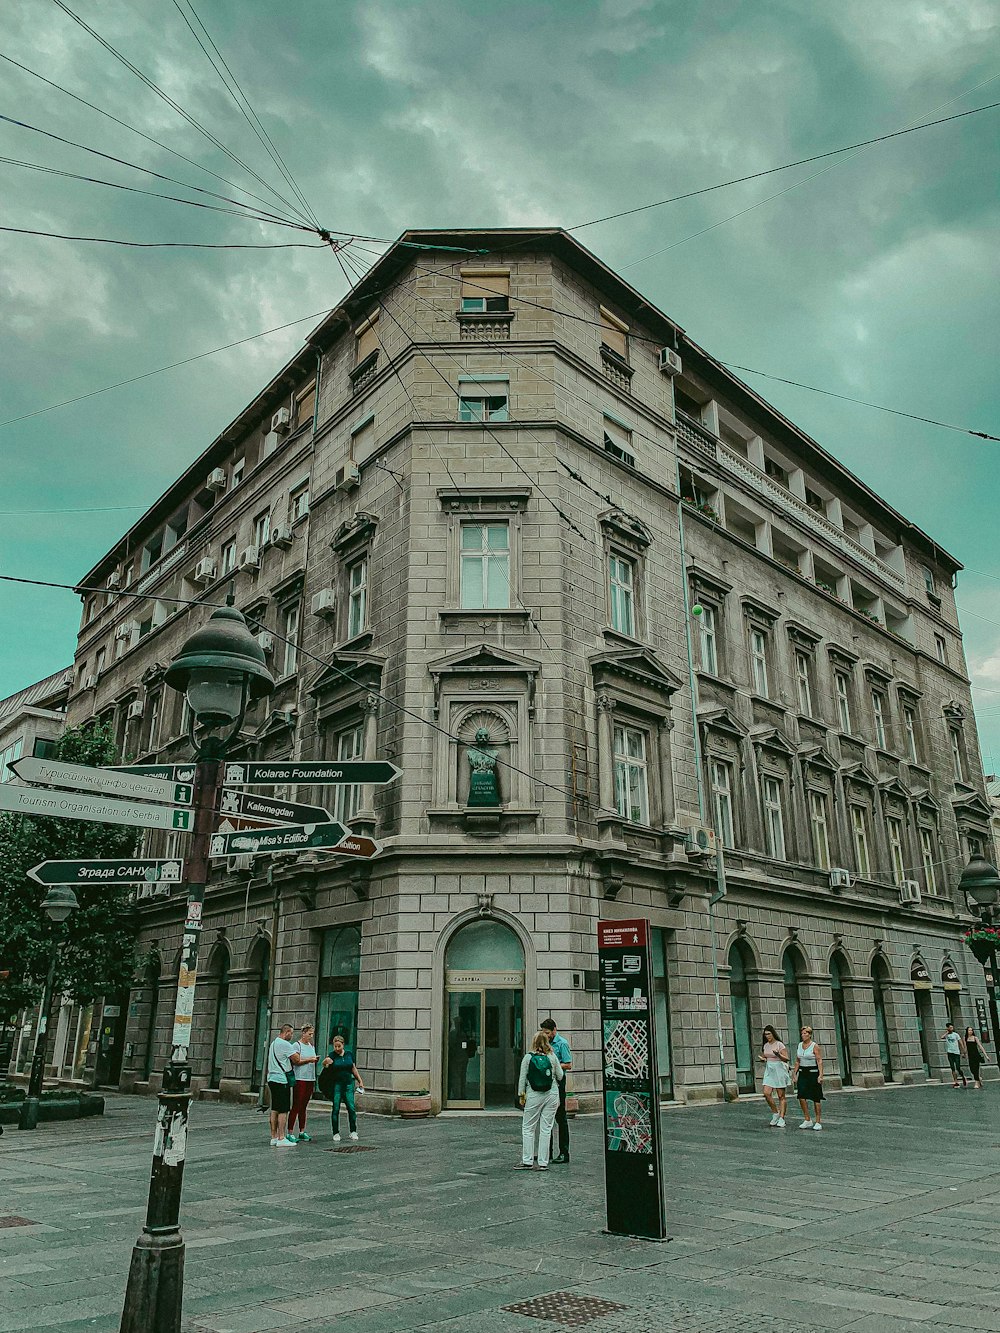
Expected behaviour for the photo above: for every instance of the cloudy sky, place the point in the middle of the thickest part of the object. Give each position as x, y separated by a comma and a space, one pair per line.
873, 275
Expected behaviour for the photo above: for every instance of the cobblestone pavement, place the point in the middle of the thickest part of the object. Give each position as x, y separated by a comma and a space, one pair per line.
888, 1222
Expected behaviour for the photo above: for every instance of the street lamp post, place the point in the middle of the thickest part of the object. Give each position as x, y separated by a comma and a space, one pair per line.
219, 670
57, 905
981, 883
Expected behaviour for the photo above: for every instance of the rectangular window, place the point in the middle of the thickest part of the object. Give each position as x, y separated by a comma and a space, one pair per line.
614, 334
153, 734
100, 660
151, 552
722, 801
774, 822
290, 634
298, 503
8, 756
305, 405
957, 762
941, 648
631, 777
928, 858
43, 749
350, 745
357, 598
758, 661
707, 640
820, 830
859, 832
776, 472
618, 442
485, 290
843, 687
366, 339
815, 501
484, 402
262, 530
803, 683
894, 829
928, 579
485, 565
621, 577
975, 845
229, 557
236, 472
910, 727
878, 713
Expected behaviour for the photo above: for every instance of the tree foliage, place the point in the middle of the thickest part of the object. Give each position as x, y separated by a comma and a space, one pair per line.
97, 943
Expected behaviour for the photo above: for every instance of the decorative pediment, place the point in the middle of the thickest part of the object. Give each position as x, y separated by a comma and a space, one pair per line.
721, 720
894, 787
954, 711
802, 636
859, 774
357, 531
841, 657
876, 674
972, 806
481, 664
817, 756
759, 611
770, 738
291, 586
623, 527
345, 681
908, 694
924, 800
639, 667
705, 583
153, 675
278, 722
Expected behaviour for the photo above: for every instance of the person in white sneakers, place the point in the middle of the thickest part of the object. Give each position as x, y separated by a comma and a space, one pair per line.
808, 1075
774, 1054
538, 1092
338, 1079
280, 1077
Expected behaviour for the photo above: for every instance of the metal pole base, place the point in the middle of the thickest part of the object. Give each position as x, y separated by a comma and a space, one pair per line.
155, 1290
28, 1117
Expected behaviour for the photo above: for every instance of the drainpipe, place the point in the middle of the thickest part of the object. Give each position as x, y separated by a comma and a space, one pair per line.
720, 867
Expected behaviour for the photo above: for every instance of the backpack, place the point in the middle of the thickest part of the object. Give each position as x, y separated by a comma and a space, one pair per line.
540, 1073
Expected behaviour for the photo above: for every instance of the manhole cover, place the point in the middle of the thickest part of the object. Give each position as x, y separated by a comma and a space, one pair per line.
353, 1147
563, 1307
16, 1222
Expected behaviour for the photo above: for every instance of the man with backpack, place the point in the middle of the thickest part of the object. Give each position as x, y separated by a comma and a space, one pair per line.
538, 1092
562, 1052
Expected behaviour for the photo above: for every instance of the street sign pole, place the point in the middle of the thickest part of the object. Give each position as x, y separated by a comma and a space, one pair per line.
633, 1171
156, 1276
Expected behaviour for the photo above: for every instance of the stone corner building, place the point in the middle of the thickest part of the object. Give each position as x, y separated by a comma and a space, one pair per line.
482, 499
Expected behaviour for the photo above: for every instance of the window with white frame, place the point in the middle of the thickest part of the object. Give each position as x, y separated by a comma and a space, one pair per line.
8, 755
290, 635
929, 859
758, 661
484, 560
820, 829
357, 597
485, 291
957, 758
229, 557
928, 579
910, 731
484, 400
237, 472
878, 715
941, 647
803, 682
774, 819
721, 783
621, 581
631, 775
894, 831
100, 660
618, 441
842, 685
708, 639
262, 529
350, 745
975, 844
153, 731
859, 835
298, 503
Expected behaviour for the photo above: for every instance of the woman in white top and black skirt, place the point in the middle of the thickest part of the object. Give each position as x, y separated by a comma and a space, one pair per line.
808, 1075
774, 1053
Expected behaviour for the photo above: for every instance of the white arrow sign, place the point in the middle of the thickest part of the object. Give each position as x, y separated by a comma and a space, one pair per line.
101, 810
78, 777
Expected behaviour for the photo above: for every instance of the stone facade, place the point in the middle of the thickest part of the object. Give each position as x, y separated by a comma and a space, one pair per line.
516, 521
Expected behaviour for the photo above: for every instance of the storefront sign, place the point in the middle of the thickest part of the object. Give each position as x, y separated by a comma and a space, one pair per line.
949, 976
632, 1169
984, 1029
919, 975
494, 979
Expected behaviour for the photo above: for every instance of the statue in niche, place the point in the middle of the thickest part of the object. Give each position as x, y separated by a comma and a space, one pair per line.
484, 789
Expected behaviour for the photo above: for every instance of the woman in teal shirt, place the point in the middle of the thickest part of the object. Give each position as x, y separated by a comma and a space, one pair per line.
338, 1080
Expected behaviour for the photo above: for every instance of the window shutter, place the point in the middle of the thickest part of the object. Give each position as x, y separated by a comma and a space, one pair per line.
614, 333
482, 283
367, 337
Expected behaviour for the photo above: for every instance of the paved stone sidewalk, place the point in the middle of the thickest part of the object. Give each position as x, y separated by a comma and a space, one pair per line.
888, 1222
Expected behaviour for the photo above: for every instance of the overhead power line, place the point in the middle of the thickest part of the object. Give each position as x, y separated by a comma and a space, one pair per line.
171, 245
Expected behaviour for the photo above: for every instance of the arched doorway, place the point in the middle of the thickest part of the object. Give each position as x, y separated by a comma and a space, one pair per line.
219, 972
484, 1015
792, 967
880, 979
151, 981
740, 963
921, 981
339, 978
260, 964
838, 970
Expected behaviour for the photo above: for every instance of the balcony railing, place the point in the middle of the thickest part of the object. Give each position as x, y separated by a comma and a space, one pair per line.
484, 327
695, 434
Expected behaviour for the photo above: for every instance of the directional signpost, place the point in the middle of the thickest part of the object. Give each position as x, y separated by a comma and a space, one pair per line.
100, 809
172, 772
294, 837
356, 845
139, 871
108, 781
270, 810
376, 772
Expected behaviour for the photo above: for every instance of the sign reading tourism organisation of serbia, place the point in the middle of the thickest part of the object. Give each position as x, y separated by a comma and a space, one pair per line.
632, 1170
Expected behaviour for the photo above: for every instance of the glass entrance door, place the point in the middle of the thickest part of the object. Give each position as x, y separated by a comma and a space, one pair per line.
924, 1021
463, 1051
503, 1044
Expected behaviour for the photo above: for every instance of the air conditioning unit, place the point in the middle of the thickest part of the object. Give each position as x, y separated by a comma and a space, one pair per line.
216, 480
265, 642
347, 477
699, 841
204, 571
114, 581
670, 362
242, 861
281, 421
909, 892
281, 535
324, 602
249, 558
271, 441
840, 878
126, 629
134, 711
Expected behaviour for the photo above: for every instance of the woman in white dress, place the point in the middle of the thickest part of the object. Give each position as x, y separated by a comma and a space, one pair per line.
774, 1054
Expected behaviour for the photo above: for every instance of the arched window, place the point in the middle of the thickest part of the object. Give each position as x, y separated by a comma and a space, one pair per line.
792, 969
484, 1013
151, 984
838, 970
484, 946
880, 980
219, 972
260, 963
339, 975
740, 962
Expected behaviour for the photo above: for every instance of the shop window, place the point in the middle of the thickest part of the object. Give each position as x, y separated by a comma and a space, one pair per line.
337, 992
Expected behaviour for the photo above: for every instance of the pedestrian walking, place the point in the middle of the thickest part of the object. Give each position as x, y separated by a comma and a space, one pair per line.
976, 1054
337, 1080
537, 1091
304, 1059
808, 1076
774, 1054
955, 1048
562, 1052
280, 1077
